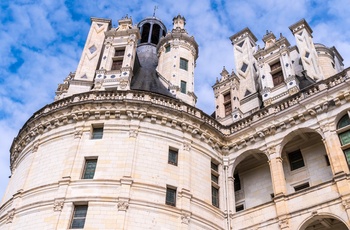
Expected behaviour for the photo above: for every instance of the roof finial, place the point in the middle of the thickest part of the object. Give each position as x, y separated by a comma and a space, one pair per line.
154, 11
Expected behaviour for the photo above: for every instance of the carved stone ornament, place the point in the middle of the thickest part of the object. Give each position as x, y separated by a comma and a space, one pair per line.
271, 150
58, 205
133, 133
10, 216
346, 204
284, 224
185, 219
78, 134
187, 146
123, 205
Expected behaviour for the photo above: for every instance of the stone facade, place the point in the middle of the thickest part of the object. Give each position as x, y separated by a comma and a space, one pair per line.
273, 162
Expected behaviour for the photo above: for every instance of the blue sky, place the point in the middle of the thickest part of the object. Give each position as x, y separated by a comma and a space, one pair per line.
41, 42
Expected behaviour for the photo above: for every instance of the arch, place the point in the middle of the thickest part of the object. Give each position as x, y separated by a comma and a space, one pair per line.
244, 155
252, 179
145, 32
155, 36
339, 116
323, 216
296, 132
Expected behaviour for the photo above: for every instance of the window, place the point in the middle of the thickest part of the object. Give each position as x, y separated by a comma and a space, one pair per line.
117, 64
172, 156
97, 132
89, 168
183, 86
183, 64
237, 183
239, 208
215, 196
118, 59
79, 216
295, 160
228, 108
344, 135
167, 48
277, 73
302, 186
170, 198
214, 184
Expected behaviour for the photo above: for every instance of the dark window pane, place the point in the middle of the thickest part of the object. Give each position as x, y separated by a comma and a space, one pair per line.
214, 178
228, 108
97, 133
214, 166
277, 78
296, 160
119, 52
172, 156
227, 97
302, 186
345, 137
170, 196
347, 155
344, 121
183, 86
237, 183
215, 196
167, 49
239, 208
90, 166
117, 64
183, 64
79, 216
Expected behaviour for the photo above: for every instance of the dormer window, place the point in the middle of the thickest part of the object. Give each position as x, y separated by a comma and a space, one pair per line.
117, 60
277, 73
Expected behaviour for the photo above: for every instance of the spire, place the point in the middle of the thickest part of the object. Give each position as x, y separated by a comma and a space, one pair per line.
179, 22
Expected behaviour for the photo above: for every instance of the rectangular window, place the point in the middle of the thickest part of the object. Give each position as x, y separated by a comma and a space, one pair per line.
214, 166
244, 67
237, 183
302, 186
277, 78
214, 178
227, 97
119, 53
97, 132
172, 156
167, 48
228, 108
344, 138
170, 198
79, 216
117, 64
183, 87
239, 208
295, 160
89, 168
183, 64
215, 196
347, 155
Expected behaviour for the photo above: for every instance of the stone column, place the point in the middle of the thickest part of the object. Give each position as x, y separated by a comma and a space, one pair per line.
279, 188
335, 153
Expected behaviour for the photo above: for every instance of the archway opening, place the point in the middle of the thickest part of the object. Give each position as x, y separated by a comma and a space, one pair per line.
305, 161
323, 223
252, 181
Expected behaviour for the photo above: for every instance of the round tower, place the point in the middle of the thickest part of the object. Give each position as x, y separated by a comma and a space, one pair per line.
178, 53
326, 60
151, 30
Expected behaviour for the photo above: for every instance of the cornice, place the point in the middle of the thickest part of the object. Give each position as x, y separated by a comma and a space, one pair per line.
156, 108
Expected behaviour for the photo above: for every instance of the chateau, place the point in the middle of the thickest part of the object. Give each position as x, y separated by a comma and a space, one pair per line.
124, 147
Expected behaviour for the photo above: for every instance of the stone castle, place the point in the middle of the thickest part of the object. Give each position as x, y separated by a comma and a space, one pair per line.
124, 147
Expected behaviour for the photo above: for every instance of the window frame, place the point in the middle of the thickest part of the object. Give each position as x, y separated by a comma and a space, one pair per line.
183, 87
87, 160
183, 64
94, 134
167, 48
343, 131
175, 152
293, 163
74, 218
170, 190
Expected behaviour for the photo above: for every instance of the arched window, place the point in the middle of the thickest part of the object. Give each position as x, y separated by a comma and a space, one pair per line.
145, 32
344, 135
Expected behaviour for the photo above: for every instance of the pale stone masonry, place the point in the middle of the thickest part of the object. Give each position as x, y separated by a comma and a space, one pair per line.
274, 155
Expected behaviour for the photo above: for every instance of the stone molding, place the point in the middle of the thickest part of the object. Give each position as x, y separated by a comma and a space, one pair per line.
115, 104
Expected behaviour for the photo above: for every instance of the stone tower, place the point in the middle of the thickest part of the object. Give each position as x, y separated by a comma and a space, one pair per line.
178, 53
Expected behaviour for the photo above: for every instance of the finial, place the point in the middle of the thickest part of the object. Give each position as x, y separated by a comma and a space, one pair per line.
267, 32
154, 11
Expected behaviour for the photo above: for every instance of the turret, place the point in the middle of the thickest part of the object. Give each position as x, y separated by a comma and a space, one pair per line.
178, 53
244, 47
83, 78
308, 55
